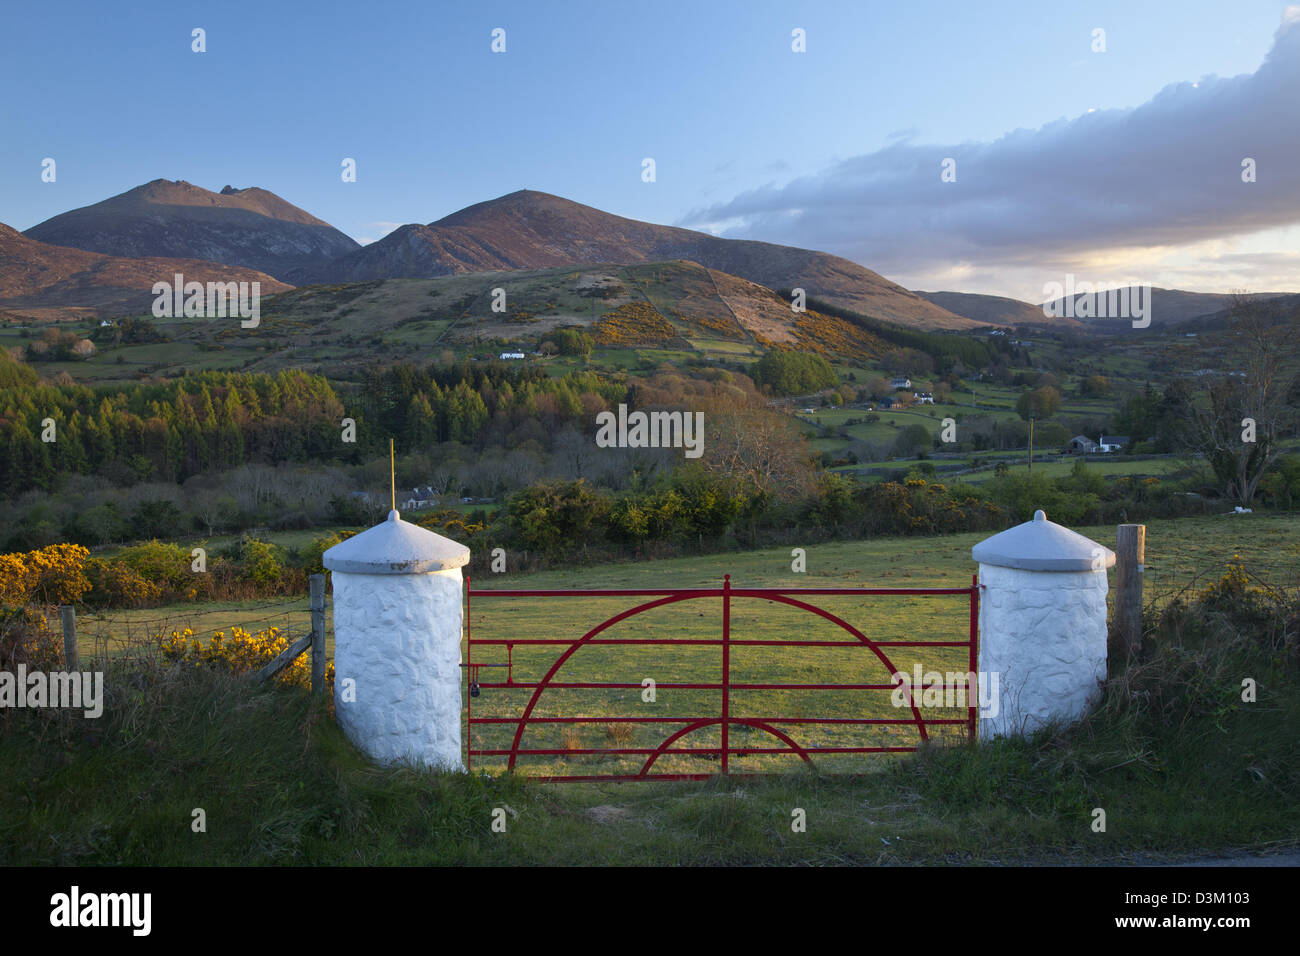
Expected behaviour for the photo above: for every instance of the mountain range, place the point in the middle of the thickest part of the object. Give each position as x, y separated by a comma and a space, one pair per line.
535, 230
102, 258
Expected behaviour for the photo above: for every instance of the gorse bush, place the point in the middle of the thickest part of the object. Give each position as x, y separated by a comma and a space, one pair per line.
242, 653
114, 584
148, 574
49, 575
165, 565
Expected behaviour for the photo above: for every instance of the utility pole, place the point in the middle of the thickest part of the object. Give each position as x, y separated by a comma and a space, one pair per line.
1031, 445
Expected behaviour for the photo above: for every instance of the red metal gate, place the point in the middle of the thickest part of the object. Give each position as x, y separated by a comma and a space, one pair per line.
724, 719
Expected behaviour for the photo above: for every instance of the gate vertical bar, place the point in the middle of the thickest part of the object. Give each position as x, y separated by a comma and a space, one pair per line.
726, 669
972, 702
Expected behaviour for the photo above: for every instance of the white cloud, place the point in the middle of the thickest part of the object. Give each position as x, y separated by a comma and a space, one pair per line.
381, 228
1117, 189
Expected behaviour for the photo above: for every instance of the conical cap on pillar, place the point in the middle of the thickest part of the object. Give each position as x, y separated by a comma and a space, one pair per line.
1042, 545
395, 547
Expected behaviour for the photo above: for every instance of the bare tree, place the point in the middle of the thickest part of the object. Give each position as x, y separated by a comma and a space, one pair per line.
1239, 426
765, 451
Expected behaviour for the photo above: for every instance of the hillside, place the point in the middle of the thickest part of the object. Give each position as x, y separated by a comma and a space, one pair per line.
1169, 307
45, 282
994, 309
528, 230
636, 316
665, 305
251, 228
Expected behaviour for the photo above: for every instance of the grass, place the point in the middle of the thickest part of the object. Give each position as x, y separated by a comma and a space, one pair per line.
1179, 765
1177, 773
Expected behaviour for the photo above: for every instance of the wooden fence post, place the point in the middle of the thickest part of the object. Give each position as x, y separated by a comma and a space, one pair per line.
318, 633
69, 615
1130, 556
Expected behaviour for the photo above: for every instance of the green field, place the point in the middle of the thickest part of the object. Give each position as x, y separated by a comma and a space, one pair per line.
1179, 552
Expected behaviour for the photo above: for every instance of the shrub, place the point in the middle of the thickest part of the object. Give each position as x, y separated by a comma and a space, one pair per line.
260, 562
50, 575
166, 565
26, 638
114, 584
556, 515
311, 556
242, 653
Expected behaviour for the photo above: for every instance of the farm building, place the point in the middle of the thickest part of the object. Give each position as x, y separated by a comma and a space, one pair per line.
1082, 445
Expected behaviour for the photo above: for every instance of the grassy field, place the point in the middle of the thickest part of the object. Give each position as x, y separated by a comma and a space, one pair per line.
1178, 552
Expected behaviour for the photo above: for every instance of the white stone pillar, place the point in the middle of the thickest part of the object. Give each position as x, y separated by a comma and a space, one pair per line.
1042, 624
398, 605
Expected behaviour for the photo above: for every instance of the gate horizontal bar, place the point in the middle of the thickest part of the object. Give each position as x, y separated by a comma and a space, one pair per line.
587, 685
710, 642
707, 592
698, 751
910, 722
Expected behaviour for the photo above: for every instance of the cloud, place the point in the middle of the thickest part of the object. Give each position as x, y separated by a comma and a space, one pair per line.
1165, 174
382, 228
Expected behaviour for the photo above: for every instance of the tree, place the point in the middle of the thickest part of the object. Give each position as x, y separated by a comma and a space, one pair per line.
793, 373
1245, 412
1039, 403
1095, 386
763, 452
910, 440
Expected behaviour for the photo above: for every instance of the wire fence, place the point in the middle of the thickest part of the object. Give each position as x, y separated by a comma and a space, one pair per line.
124, 634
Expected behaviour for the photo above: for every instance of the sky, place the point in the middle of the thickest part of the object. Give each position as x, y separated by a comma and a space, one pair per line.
1114, 165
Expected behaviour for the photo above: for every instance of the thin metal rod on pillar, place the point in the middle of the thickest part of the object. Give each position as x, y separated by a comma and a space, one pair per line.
69, 615
392, 473
317, 582
1130, 558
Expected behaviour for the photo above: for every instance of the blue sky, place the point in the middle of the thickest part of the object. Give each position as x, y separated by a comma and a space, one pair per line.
749, 138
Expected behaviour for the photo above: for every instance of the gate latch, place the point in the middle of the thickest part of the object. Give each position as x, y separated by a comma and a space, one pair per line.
474, 690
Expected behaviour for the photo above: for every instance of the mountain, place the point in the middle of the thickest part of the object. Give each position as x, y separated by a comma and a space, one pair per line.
42, 281
535, 230
251, 228
993, 309
1167, 307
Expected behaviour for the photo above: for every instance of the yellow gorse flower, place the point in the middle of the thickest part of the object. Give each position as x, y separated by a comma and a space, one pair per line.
244, 652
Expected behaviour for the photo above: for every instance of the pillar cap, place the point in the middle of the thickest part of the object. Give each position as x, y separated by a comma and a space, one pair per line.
1042, 545
395, 547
